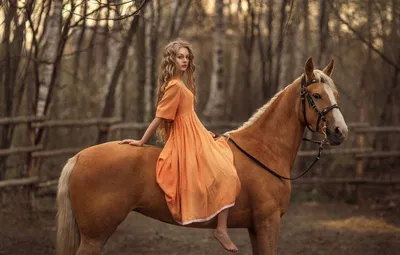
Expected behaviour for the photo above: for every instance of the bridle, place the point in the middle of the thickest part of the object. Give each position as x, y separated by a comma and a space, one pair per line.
304, 94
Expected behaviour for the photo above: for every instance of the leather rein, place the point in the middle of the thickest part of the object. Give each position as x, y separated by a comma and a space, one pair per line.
304, 94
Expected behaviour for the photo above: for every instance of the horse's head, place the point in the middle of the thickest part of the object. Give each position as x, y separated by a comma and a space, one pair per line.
319, 110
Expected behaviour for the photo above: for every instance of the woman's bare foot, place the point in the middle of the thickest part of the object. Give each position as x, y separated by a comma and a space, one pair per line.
224, 240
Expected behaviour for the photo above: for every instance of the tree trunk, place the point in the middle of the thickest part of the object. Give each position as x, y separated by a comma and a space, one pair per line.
109, 104
49, 57
323, 31
279, 48
249, 43
148, 95
8, 86
90, 69
180, 21
215, 105
263, 59
114, 46
18, 47
79, 46
306, 30
154, 49
174, 18
141, 74
270, 64
235, 67
291, 52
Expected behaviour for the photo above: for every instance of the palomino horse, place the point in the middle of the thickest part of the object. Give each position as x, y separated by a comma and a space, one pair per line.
102, 184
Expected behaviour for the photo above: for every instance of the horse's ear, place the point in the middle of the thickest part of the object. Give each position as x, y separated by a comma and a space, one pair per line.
309, 69
329, 68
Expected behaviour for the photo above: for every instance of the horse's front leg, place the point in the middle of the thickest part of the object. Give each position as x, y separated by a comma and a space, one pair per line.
253, 239
267, 231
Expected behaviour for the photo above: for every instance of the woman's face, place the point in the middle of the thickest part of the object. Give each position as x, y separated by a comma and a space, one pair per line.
182, 59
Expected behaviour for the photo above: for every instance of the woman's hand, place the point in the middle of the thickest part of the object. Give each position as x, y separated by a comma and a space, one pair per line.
212, 134
132, 142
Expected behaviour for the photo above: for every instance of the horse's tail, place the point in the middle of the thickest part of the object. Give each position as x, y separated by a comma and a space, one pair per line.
67, 228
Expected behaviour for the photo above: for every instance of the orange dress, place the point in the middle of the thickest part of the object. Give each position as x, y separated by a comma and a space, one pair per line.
195, 171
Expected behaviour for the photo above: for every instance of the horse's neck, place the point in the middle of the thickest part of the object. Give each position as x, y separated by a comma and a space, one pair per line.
275, 137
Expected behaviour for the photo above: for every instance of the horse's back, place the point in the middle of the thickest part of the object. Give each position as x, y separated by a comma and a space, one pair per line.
112, 153
113, 163
113, 179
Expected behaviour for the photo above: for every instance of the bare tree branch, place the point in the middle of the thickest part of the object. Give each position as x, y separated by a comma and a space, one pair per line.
122, 17
361, 38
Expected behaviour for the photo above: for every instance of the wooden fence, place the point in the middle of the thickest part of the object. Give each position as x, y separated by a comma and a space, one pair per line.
109, 125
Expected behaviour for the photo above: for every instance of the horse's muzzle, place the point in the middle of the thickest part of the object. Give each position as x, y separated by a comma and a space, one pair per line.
336, 134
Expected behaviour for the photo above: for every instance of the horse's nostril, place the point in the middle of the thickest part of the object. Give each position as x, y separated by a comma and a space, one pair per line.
337, 130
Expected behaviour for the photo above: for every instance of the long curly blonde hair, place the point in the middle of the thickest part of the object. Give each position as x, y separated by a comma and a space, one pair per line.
166, 73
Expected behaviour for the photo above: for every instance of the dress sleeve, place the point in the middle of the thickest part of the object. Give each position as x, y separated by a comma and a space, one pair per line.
168, 105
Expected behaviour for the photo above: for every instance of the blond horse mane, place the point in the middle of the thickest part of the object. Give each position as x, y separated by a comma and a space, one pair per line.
319, 75
258, 113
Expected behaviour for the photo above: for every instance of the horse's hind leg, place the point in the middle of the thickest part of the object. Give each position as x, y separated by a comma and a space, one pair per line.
97, 220
94, 239
97, 228
95, 233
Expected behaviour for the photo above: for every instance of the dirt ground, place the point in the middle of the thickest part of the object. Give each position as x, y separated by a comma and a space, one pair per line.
308, 228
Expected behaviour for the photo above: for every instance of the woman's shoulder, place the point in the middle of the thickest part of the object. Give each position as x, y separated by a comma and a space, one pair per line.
174, 82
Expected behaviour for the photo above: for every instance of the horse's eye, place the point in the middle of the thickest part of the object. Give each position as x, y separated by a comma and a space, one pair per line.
316, 96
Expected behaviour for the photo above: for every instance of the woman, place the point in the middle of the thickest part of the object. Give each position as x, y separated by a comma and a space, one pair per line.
195, 171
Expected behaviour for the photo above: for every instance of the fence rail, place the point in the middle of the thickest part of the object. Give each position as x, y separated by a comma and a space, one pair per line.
76, 123
389, 129
52, 153
21, 120
378, 154
19, 182
6, 152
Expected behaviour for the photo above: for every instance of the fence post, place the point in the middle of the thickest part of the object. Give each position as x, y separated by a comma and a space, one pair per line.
360, 161
31, 165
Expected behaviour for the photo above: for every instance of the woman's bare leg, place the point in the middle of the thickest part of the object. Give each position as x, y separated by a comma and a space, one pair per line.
221, 232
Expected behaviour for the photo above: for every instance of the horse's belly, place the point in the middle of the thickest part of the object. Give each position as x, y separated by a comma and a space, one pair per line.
153, 205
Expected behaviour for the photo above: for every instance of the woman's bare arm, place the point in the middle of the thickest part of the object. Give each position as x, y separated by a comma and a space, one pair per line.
149, 132
151, 129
